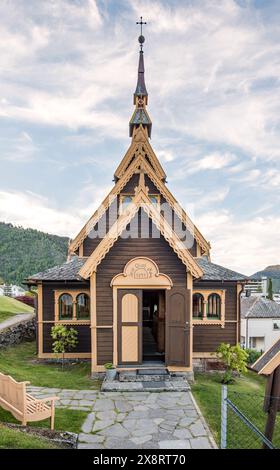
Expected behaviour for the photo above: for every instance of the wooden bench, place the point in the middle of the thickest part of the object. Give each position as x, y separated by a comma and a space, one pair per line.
24, 407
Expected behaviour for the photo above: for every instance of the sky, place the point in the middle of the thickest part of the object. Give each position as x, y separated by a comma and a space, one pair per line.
67, 75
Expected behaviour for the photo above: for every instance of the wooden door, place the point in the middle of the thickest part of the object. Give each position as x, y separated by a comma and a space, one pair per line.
129, 326
178, 327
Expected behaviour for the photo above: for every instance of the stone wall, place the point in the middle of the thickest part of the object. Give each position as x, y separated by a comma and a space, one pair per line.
23, 331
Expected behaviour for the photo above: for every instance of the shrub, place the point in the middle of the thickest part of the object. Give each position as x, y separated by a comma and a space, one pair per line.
64, 340
26, 299
253, 355
234, 359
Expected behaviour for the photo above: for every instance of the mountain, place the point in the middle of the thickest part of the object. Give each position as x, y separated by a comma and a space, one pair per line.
24, 252
271, 272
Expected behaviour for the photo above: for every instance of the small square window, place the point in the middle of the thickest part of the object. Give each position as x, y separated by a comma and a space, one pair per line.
276, 325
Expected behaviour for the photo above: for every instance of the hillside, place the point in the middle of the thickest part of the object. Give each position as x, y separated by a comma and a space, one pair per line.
26, 251
10, 307
271, 272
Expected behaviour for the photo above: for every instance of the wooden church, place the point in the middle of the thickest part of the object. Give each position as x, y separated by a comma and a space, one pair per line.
139, 285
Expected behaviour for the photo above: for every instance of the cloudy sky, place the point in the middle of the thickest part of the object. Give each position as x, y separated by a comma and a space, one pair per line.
67, 75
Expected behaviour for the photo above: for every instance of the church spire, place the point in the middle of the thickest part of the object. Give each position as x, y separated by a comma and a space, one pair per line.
140, 115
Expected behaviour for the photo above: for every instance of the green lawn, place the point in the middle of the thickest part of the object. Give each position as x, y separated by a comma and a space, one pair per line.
248, 394
21, 363
13, 439
65, 420
10, 307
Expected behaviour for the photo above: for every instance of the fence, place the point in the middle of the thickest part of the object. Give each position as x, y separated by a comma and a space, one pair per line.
243, 421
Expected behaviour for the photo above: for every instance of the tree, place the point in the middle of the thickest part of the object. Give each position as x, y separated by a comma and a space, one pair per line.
270, 290
64, 340
235, 360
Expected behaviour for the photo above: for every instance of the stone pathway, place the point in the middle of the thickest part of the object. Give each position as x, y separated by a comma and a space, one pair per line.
15, 320
135, 420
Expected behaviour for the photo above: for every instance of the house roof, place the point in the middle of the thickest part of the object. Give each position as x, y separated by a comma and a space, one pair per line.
140, 200
269, 360
155, 177
67, 271
215, 272
258, 307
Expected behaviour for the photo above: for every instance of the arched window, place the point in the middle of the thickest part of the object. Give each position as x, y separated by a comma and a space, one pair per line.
65, 307
214, 306
198, 306
83, 307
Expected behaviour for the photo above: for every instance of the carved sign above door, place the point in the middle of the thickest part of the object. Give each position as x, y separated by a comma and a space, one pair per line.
142, 272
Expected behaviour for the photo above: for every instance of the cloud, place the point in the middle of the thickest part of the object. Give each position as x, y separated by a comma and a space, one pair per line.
19, 149
213, 161
243, 245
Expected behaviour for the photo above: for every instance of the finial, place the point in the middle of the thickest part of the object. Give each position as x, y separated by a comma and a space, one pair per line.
141, 38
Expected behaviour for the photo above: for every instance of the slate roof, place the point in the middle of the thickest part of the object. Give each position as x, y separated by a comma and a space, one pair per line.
267, 356
258, 307
68, 271
215, 272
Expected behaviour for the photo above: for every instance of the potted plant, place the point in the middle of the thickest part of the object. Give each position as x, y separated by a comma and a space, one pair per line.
111, 371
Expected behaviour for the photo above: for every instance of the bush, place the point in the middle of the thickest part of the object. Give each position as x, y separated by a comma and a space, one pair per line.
26, 299
253, 355
234, 359
64, 340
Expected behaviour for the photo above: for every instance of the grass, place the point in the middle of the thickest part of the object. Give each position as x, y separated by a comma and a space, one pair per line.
13, 439
21, 363
10, 307
247, 393
65, 420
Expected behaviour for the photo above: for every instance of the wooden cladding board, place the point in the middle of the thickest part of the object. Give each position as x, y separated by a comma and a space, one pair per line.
48, 295
110, 216
206, 338
84, 338
124, 250
104, 345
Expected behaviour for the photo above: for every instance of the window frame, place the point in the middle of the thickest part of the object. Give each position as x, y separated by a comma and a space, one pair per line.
59, 305
74, 294
77, 307
205, 320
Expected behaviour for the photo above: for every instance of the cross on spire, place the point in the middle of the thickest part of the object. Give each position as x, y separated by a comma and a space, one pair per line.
141, 38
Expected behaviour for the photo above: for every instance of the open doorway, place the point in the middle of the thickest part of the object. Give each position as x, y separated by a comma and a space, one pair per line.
153, 325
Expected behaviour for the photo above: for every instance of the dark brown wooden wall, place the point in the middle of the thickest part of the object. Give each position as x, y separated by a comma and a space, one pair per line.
207, 338
124, 250
84, 336
107, 220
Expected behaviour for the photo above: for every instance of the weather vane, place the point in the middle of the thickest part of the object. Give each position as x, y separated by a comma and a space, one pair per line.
141, 38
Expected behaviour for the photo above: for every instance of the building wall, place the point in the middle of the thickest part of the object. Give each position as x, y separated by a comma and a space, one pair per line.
84, 339
109, 218
206, 338
260, 328
124, 250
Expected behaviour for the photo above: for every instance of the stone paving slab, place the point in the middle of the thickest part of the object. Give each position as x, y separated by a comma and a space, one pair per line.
136, 419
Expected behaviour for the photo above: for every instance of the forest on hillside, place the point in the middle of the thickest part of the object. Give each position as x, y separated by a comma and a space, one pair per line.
24, 252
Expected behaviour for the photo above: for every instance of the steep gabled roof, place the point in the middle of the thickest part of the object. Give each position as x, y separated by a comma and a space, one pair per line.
215, 272
269, 360
140, 144
67, 271
258, 307
138, 161
140, 200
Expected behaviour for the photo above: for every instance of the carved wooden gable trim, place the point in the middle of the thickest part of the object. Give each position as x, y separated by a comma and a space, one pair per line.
142, 271
140, 144
140, 200
133, 168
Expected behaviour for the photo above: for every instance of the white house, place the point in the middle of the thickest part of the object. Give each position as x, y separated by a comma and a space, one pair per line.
11, 290
260, 323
